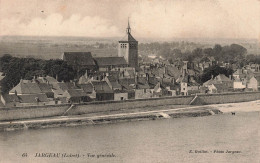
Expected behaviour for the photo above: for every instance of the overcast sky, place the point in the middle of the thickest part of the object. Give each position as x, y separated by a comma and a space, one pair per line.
148, 18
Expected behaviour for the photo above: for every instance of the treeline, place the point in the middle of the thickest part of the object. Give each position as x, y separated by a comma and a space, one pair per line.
234, 53
16, 69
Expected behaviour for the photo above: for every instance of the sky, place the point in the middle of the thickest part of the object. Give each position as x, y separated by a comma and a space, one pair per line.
148, 18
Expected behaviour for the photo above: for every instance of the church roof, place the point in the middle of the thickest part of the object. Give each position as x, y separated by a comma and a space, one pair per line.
127, 38
107, 61
79, 58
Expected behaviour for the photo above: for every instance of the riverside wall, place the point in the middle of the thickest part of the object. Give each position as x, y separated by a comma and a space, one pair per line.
7, 114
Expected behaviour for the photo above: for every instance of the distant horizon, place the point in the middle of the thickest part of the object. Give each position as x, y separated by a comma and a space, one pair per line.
145, 38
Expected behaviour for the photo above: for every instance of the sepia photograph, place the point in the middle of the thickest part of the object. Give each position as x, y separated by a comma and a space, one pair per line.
129, 81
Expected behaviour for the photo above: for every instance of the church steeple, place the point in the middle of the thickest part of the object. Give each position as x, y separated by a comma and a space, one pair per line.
128, 48
128, 29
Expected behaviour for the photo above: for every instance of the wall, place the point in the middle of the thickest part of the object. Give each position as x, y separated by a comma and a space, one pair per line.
230, 97
58, 110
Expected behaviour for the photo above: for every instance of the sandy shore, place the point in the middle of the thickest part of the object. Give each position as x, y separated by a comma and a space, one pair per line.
239, 107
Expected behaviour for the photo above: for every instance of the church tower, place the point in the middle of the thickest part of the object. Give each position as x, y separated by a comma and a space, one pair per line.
128, 48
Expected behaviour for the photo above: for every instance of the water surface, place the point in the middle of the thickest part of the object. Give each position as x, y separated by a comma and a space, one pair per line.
167, 140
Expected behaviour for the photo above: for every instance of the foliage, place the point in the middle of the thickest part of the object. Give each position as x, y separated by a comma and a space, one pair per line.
26, 68
213, 70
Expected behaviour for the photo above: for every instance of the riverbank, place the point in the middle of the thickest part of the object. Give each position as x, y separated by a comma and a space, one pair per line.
146, 113
104, 118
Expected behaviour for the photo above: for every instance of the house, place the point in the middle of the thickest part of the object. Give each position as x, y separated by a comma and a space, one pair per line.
108, 63
193, 88
89, 89
113, 83
76, 96
120, 95
203, 89
258, 81
142, 88
210, 82
26, 87
13, 100
128, 84
46, 89
238, 84
103, 91
158, 90
252, 83
218, 88
187, 85
34, 99
221, 78
60, 88
84, 79
172, 88
82, 59
10, 100
240, 74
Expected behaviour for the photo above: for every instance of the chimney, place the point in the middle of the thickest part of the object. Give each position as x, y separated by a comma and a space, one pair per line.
173, 81
135, 78
212, 76
147, 77
230, 77
57, 77
86, 74
101, 87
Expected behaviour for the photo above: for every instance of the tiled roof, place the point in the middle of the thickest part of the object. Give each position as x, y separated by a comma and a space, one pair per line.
174, 71
127, 83
220, 86
79, 58
83, 80
209, 82
45, 88
88, 88
142, 83
222, 78
107, 61
32, 98
26, 88
10, 98
101, 86
76, 93
64, 86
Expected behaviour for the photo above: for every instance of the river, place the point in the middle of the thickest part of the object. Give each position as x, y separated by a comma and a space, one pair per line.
166, 140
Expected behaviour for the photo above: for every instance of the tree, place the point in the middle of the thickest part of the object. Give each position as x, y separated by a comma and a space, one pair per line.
214, 70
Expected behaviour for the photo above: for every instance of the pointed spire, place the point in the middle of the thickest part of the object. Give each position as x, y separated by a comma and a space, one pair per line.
128, 29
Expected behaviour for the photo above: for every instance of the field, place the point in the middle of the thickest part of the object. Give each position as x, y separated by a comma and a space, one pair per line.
53, 47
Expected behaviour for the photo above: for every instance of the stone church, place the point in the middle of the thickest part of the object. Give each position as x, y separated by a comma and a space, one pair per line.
128, 48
